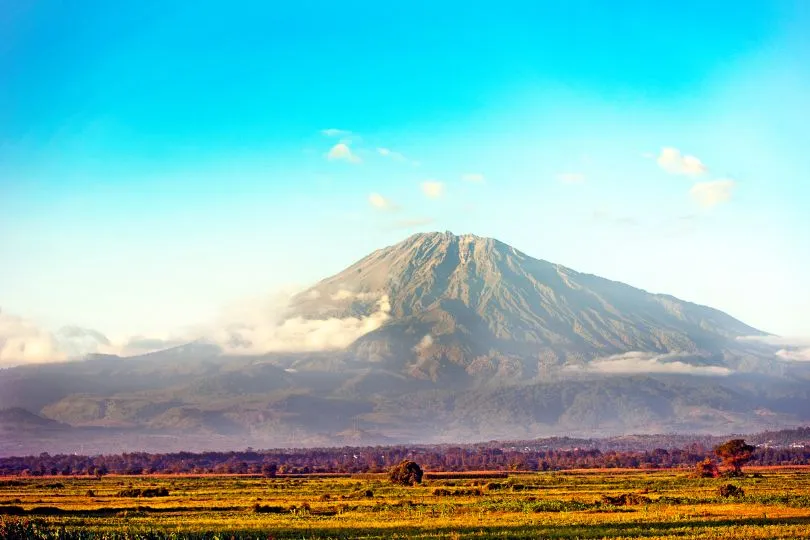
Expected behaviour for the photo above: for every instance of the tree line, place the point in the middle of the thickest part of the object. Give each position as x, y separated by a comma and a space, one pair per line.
379, 459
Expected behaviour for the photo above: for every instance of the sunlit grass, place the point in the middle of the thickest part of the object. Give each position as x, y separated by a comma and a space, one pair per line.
551, 505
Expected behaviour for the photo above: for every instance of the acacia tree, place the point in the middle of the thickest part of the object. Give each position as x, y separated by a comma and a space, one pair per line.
407, 473
735, 453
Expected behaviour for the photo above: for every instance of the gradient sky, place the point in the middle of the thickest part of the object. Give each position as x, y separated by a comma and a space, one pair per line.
159, 160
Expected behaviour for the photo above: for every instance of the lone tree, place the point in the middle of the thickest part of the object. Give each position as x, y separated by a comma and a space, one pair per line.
407, 473
735, 453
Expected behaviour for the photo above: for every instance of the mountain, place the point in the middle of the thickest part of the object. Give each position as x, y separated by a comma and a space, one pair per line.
438, 338
477, 305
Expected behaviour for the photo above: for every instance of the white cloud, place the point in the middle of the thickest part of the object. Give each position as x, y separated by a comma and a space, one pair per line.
425, 343
795, 349
646, 362
381, 203
571, 178
780, 341
795, 355
345, 294
332, 132
432, 189
341, 151
710, 194
476, 178
264, 333
396, 156
671, 160
23, 342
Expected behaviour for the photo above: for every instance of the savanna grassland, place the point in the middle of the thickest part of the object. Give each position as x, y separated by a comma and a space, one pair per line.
570, 504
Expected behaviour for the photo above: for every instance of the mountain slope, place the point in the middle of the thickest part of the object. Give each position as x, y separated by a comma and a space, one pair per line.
488, 308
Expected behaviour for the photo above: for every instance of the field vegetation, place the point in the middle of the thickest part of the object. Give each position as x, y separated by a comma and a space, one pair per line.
765, 503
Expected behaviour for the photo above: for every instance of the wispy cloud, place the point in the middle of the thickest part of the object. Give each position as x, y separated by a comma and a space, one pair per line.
396, 156
604, 217
332, 132
794, 349
381, 203
712, 193
342, 152
571, 178
645, 362
432, 189
476, 178
671, 160
346, 294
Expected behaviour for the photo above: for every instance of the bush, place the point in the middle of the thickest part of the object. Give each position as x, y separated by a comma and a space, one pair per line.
706, 469
407, 473
471, 492
730, 490
148, 492
625, 499
259, 509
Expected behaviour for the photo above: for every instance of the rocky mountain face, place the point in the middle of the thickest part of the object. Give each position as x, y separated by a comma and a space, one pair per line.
478, 306
437, 338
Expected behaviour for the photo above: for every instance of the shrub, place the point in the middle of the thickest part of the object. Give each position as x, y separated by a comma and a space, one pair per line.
407, 473
706, 469
148, 492
730, 490
625, 499
260, 509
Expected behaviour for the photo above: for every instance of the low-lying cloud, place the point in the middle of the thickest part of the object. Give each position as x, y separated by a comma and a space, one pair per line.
264, 334
23, 342
646, 362
793, 349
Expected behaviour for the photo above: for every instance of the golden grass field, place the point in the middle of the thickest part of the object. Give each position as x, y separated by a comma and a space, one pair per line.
565, 504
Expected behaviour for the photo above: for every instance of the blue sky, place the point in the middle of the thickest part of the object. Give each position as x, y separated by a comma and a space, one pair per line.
160, 161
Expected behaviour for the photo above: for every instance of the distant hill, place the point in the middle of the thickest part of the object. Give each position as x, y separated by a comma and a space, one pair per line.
439, 338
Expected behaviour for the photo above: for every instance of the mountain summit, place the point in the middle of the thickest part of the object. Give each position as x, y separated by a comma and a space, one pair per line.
479, 305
